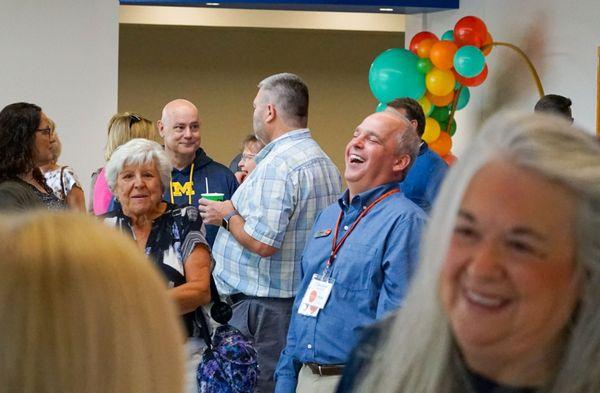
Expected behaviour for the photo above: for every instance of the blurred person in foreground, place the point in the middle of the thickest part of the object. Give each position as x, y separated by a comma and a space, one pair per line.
507, 292
172, 237
122, 128
251, 146
82, 311
61, 178
25, 145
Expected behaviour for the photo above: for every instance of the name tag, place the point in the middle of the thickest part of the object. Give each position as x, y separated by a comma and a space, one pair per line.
323, 233
316, 296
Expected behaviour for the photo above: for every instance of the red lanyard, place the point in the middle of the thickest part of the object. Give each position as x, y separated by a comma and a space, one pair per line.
335, 245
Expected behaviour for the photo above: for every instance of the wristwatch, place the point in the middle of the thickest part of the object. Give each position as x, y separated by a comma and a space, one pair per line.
225, 221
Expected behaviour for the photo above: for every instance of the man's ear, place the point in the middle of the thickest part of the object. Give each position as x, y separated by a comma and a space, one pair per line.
160, 126
401, 163
270, 113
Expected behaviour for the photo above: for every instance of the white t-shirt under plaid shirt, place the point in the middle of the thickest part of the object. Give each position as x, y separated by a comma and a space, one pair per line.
293, 181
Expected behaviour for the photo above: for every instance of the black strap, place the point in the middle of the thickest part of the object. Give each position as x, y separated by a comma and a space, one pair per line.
219, 311
62, 184
203, 324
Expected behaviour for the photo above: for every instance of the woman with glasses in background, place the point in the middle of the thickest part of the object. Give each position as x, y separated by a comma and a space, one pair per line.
122, 128
25, 144
251, 146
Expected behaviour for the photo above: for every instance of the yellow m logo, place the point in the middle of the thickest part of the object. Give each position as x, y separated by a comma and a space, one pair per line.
186, 189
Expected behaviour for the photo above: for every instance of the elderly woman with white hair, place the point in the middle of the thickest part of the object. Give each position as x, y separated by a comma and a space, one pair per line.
173, 237
507, 293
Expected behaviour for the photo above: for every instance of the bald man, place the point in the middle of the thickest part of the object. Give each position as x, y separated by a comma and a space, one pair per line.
179, 126
359, 258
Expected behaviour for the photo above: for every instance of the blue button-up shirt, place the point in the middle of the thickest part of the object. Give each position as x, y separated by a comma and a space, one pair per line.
422, 183
371, 272
292, 182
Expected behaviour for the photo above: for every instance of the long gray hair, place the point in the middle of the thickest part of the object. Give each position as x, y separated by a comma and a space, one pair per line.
419, 354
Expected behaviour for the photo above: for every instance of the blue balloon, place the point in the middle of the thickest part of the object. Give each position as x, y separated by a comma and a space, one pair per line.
463, 98
394, 74
469, 61
448, 36
381, 107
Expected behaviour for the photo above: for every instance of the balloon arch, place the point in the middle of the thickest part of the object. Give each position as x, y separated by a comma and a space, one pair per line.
438, 72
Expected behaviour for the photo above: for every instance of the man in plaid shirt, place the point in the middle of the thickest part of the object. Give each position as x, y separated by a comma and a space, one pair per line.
266, 224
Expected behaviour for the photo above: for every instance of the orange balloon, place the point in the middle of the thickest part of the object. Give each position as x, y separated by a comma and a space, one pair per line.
432, 130
442, 145
449, 158
488, 41
424, 47
440, 100
442, 54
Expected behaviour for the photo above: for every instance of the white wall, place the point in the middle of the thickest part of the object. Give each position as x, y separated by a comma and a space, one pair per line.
560, 37
62, 55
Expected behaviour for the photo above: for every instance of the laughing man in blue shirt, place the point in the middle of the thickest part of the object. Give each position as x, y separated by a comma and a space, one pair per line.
355, 278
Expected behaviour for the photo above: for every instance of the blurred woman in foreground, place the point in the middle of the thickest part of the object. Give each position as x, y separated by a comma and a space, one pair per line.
83, 311
507, 295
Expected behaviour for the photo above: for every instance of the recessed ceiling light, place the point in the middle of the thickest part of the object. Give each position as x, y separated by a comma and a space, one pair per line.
214, 4
386, 9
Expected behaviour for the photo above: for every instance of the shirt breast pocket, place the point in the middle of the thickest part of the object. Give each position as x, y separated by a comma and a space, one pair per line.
355, 263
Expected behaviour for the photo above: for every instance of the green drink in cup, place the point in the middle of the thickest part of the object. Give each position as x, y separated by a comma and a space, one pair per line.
213, 196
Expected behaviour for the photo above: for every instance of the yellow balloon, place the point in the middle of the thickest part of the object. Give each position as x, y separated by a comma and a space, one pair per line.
426, 105
439, 82
432, 130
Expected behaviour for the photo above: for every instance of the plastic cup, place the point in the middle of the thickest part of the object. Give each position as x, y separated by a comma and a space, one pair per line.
213, 196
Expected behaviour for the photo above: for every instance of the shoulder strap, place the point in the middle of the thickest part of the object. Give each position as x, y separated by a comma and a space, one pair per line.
62, 183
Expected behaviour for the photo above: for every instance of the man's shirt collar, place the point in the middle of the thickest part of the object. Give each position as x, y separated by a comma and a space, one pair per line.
364, 199
300, 133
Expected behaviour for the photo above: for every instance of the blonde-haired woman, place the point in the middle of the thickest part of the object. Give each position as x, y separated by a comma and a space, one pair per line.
83, 311
507, 293
122, 128
61, 178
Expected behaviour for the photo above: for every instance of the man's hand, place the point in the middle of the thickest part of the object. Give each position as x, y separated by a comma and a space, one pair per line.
212, 212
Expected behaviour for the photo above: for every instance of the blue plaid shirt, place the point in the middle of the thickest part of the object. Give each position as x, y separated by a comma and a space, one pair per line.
293, 181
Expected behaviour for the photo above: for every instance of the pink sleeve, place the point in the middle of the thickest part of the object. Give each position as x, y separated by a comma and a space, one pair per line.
102, 194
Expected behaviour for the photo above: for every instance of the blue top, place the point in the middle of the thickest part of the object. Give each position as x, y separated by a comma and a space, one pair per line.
182, 192
371, 273
293, 181
424, 178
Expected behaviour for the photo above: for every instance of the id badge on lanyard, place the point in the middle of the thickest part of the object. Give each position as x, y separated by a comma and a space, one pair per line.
316, 295
320, 286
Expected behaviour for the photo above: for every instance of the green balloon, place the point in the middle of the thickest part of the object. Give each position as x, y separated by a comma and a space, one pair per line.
448, 35
380, 107
393, 74
441, 114
463, 98
424, 66
444, 126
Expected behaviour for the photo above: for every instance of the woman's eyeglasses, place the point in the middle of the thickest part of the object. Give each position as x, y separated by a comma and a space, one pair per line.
247, 157
45, 131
